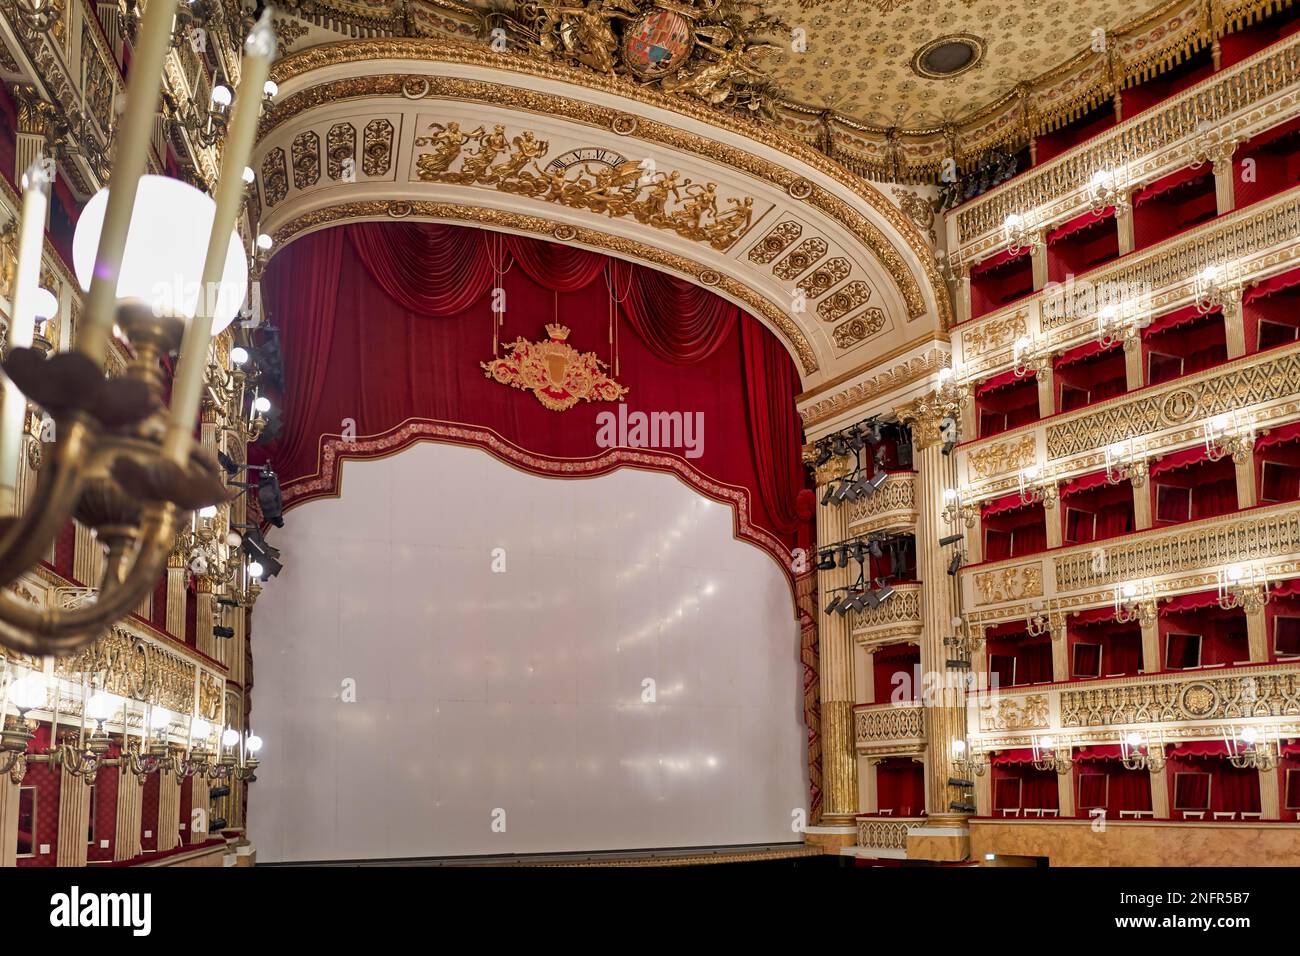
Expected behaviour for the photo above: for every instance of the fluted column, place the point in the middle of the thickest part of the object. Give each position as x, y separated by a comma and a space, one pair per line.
199, 799
1142, 517
204, 639
1134, 373
1159, 791
1052, 515
1038, 261
1065, 793
984, 793
1270, 803
945, 717
36, 118
835, 659
1124, 225
1225, 198
176, 596
1046, 379
169, 811
74, 818
130, 803
1234, 324
870, 790
1258, 640
961, 298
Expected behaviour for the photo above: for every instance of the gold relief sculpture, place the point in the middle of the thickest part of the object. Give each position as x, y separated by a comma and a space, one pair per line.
209, 696
1009, 584
306, 159
800, 259
1007, 456
130, 666
341, 148
554, 371
275, 177
832, 271
920, 211
377, 147
618, 187
996, 334
846, 298
775, 242
1162, 700
1012, 713
855, 330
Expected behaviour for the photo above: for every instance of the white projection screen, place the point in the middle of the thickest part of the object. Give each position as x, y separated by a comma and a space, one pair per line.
515, 698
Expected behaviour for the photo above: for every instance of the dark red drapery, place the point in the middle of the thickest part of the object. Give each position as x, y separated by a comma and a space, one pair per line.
355, 306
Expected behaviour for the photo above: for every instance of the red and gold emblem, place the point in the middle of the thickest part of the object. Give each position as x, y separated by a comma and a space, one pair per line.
554, 371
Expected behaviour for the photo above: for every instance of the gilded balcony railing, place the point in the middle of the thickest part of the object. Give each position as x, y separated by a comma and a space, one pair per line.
884, 729
897, 617
884, 833
891, 508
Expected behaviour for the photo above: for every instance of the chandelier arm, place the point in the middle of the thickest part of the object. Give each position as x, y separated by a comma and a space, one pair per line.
56, 631
30, 537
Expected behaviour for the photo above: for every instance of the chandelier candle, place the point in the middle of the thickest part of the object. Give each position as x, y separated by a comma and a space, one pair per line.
22, 325
143, 90
187, 388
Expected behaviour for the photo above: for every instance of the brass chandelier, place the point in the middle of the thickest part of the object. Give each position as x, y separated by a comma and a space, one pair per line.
121, 463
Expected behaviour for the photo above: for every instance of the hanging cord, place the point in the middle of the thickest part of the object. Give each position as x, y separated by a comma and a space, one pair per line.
615, 302
497, 254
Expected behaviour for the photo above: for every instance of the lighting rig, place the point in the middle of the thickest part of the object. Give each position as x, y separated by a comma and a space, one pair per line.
863, 594
865, 436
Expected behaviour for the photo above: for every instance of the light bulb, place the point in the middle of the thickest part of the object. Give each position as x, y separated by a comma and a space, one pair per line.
221, 95
264, 242
230, 738
249, 175
233, 539
253, 744
238, 355
47, 304
270, 88
1235, 573
1133, 739
160, 718
29, 691
200, 729
1048, 742
1130, 590
101, 706
1013, 221
262, 404
1031, 472
255, 570
949, 494
959, 747
945, 374
1249, 735
209, 512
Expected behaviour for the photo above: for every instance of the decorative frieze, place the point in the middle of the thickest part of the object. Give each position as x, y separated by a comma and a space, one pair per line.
1009, 584
896, 618
875, 833
1151, 700
889, 729
892, 507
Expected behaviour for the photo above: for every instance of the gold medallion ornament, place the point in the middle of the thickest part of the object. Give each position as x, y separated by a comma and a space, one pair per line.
554, 371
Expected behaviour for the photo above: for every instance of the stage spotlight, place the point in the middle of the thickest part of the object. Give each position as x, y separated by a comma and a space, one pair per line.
269, 498
227, 602
876, 550
871, 600
226, 632
958, 665
856, 440
227, 463
884, 594
217, 792
961, 807
955, 563
834, 605
823, 453
961, 783
830, 493
217, 824
826, 561
877, 480
949, 539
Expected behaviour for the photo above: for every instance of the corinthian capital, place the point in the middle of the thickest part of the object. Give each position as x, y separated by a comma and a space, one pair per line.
925, 415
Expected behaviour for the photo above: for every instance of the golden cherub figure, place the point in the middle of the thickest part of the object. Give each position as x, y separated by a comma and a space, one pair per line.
585, 33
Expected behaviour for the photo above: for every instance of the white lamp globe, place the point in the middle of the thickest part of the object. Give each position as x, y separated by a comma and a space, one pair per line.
270, 88
255, 570
221, 95
253, 743
249, 175
160, 718
230, 738
165, 248
262, 404
28, 692
47, 305
264, 242
239, 355
200, 729
101, 706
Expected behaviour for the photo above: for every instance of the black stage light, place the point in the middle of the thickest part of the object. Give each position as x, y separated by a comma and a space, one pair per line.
226, 632
830, 493
875, 548
948, 446
834, 605
949, 539
228, 464
217, 792
826, 561
823, 453
955, 563
958, 665
269, 498
877, 480
218, 824
844, 557
856, 440
884, 594
961, 807
227, 602
961, 783
871, 600
839, 447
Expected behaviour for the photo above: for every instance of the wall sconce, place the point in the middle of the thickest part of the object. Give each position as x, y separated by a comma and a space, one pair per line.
1249, 749
1135, 602
967, 762
1045, 621
1125, 463
1243, 587
1117, 323
1106, 189
36, 17
958, 511
1139, 754
1232, 433
1022, 234
1029, 358
1036, 487
1215, 286
238, 760
1050, 755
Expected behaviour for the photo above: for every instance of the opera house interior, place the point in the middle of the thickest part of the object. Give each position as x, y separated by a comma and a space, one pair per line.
415, 411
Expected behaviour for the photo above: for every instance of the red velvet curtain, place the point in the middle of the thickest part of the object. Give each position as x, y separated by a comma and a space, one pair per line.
900, 786
354, 305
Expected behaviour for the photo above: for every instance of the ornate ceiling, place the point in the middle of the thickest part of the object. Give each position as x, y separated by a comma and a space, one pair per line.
843, 75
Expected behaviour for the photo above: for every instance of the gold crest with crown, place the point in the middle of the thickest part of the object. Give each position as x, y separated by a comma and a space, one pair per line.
554, 371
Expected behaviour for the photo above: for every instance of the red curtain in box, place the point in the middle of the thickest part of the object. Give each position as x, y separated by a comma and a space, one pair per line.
1276, 155
1201, 779
1271, 311
1092, 509
1277, 464
1103, 647
386, 324
1187, 486
1083, 243
1288, 782
1079, 130
1006, 401
1013, 529
1183, 342
1015, 658
38, 820
1196, 632
1171, 204
1100, 780
998, 280
1282, 620
1089, 373
1017, 785
894, 670
900, 786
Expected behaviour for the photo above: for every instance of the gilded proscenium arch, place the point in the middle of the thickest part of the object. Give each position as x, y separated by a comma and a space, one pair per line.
336, 73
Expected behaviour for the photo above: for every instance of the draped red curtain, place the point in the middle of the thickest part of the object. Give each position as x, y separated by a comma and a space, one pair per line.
900, 787
354, 305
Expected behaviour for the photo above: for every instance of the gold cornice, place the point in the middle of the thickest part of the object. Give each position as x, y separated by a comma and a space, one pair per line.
650, 130
381, 209
892, 379
837, 381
